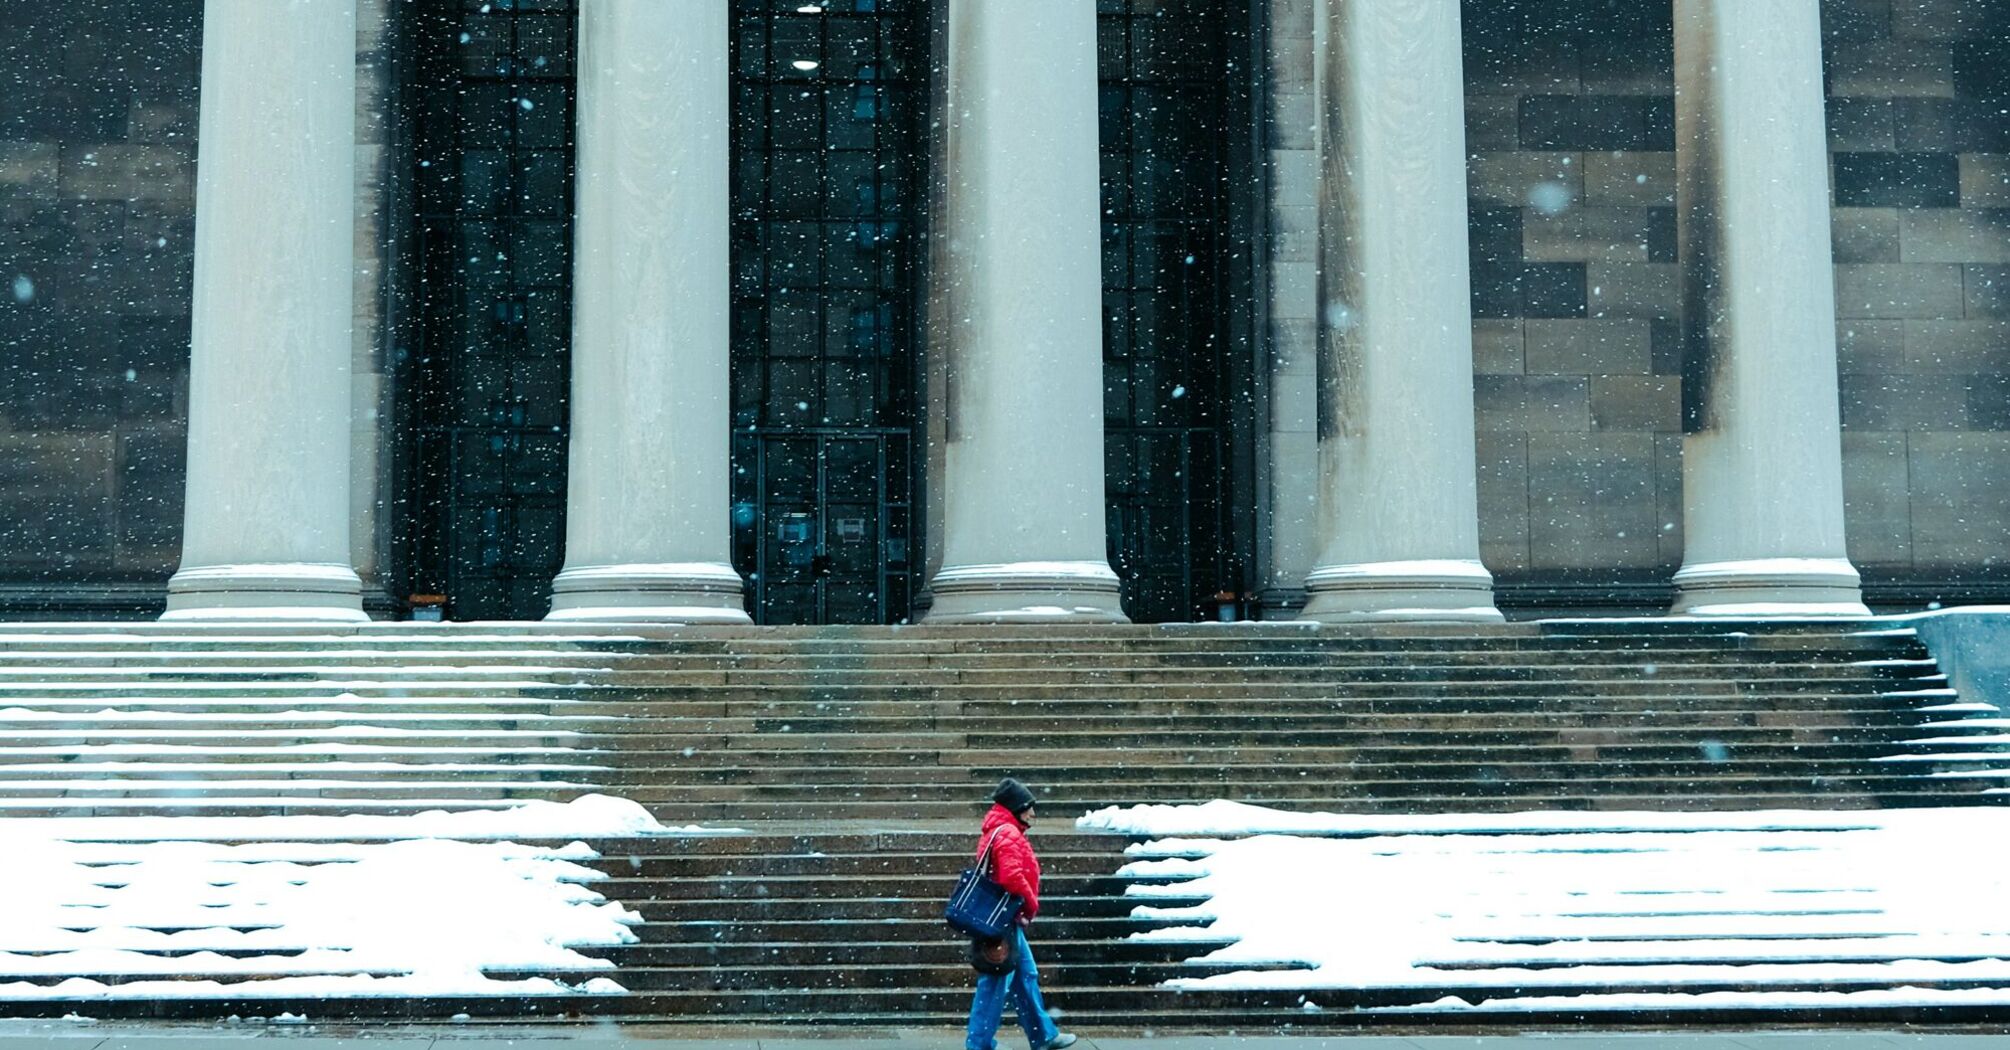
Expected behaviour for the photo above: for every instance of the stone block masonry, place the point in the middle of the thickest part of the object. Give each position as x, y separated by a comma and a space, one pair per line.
1572, 188
98, 130
1919, 135
1571, 170
97, 145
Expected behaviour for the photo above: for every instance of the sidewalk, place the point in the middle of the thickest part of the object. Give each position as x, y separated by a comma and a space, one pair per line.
47, 1035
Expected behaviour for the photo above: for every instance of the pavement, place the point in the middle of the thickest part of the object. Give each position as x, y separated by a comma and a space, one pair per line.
84, 1035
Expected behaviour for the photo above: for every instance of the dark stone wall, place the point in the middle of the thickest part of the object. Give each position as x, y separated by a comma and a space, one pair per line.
97, 145
1919, 122
1575, 294
1571, 136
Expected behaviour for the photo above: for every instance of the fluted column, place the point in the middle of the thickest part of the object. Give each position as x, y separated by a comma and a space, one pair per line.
266, 530
1023, 509
1399, 507
1762, 457
647, 532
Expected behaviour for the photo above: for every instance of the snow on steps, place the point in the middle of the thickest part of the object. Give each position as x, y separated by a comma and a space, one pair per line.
259, 721
1569, 915
153, 909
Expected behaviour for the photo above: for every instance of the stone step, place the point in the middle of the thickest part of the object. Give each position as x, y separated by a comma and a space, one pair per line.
1391, 785
898, 930
541, 633
600, 683
12, 672
1175, 705
955, 838
1583, 795
36, 694
941, 969
969, 781
984, 763
882, 716
1057, 779
915, 878
235, 807
903, 800
1068, 733
981, 764
623, 679
1155, 1011
971, 730
292, 664
927, 908
1328, 689
877, 953
1158, 704
995, 747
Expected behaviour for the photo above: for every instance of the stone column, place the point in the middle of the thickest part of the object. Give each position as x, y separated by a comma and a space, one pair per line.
647, 517
1398, 501
1022, 268
1762, 458
266, 533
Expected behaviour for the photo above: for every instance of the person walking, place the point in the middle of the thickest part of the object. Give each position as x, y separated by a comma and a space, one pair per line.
1015, 867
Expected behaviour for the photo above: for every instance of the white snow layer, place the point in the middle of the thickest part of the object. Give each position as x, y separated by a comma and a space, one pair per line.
1588, 911
590, 816
309, 906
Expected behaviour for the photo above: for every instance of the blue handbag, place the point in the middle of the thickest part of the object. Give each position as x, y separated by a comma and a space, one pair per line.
979, 906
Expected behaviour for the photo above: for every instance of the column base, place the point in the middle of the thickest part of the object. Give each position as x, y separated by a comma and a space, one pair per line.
684, 592
1770, 587
1445, 591
1280, 603
290, 591
1027, 592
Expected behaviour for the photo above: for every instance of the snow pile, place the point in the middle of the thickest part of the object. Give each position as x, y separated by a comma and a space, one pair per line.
1588, 911
299, 907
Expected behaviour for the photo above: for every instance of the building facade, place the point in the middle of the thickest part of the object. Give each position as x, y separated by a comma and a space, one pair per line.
864, 310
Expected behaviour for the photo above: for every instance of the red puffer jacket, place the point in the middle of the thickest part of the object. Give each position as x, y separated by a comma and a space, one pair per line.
1013, 864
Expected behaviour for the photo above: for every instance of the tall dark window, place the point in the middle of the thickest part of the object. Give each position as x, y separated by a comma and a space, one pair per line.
829, 148
488, 373
1168, 126
828, 161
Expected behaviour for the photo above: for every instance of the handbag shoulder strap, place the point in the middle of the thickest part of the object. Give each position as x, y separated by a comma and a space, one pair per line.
984, 855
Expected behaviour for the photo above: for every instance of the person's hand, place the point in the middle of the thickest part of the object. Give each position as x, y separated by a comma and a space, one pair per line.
1025, 921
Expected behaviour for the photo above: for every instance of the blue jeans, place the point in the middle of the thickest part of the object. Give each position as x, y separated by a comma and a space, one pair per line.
987, 1007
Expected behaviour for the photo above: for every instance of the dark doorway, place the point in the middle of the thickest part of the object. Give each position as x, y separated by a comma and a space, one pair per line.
486, 379
828, 187
1174, 77
831, 545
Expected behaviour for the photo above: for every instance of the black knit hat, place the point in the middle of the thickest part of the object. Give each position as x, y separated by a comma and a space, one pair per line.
1013, 796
